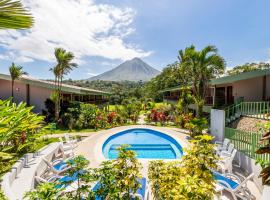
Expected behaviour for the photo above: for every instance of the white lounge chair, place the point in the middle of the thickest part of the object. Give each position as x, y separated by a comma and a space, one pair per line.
67, 182
227, 151
225, 164
71, 141
222, 146
57, 166
234, 185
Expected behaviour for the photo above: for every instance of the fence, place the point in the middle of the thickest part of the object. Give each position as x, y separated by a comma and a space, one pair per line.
260, 110
247, 143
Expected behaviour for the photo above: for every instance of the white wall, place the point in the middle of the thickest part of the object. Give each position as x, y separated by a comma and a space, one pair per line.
217, 124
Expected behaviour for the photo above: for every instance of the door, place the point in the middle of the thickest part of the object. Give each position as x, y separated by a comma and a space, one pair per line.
230, 98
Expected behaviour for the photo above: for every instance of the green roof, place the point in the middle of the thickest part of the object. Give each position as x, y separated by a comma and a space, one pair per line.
240, 77
171, 89
51, 85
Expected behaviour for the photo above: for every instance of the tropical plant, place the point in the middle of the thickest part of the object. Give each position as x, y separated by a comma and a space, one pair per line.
14, 16
45, 191
185, 100
119, 178
15, 73
63, 67
201, 66
265, 149
2, 196
84, 176
19, 126
190, 178
196, 126
20, 131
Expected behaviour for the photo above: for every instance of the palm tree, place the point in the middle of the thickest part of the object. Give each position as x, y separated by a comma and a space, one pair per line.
201, 66
14, 16
15, 73
63, 67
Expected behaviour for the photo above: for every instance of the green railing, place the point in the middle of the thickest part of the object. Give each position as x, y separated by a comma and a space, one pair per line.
259, 110
247, 143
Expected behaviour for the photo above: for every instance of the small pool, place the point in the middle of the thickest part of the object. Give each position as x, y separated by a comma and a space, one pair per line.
146, 143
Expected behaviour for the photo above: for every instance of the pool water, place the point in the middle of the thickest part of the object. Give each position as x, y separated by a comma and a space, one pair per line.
146, 143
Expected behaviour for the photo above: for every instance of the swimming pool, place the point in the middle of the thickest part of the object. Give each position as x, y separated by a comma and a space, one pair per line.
146, 143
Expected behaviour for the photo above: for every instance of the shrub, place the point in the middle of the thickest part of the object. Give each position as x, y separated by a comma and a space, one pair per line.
196, 126
190, 178
265, 149
119, 178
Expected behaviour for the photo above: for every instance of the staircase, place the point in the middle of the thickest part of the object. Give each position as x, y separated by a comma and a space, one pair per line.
260, 110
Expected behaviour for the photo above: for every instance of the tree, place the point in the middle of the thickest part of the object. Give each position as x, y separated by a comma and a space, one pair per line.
63, 67
14, 16
15, 73
201, 66
248, 67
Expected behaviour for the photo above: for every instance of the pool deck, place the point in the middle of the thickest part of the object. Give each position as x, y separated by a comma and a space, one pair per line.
91, 147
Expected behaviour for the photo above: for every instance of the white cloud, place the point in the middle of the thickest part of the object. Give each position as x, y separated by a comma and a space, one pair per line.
81, 26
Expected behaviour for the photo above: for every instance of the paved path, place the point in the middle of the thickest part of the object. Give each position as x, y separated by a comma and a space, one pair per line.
141, 120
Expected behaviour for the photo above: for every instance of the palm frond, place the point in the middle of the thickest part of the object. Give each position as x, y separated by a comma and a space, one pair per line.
13, 15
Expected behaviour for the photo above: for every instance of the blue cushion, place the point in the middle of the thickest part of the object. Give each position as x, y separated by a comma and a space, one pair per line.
60, 166
230, 182
142, 189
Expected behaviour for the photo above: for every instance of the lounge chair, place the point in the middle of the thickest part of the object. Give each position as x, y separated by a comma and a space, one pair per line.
141, 194
57, 166
71, 141
227, 151
67, 182
225, 164
234, 185
222, 146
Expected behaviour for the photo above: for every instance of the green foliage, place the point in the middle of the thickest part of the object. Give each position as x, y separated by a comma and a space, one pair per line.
185, 100
131, 109
85, 176
119, 178
248, 67
45, 191
265, 149
63, 66
119, 90
15, 73
169, 77
196, 126
2, 196
190, 178
14, 16
200, 67
19, 133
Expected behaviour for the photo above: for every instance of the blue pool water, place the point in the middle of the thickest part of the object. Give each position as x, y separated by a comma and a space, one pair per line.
146, 143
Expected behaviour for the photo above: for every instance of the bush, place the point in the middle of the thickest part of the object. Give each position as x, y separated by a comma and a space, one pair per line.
190, 178
196, 126
119, 178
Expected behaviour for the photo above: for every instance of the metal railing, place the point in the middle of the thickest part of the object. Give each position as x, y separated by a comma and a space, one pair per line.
247, 143
260, 110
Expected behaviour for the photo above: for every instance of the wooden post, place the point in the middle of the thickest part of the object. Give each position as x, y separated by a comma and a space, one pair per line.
214, 96
264, 89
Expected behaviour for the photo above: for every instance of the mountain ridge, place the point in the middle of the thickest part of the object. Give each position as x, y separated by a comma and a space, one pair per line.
131, 70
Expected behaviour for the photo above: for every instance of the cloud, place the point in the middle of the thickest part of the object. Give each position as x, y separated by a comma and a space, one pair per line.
81, 26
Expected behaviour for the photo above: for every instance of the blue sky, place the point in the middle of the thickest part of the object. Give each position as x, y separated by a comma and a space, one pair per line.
104, 33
